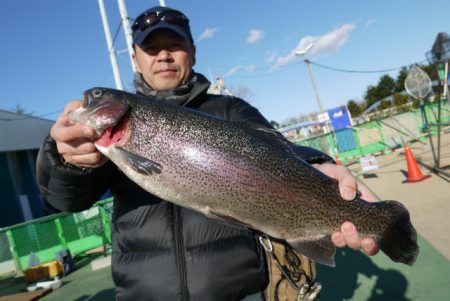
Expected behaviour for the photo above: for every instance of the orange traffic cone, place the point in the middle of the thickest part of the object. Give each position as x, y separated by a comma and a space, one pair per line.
338, 162
414, 173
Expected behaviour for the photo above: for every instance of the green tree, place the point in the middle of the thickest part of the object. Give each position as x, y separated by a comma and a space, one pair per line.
384, 104
431, 71
400, 99
385, 87
371, 95
400, 81
354, 108
275, 124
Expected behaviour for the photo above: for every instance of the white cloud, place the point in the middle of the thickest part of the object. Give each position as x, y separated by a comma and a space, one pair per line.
208, 33
370, 22
271, 56
254, 36
323, 45
233, 70
250, 68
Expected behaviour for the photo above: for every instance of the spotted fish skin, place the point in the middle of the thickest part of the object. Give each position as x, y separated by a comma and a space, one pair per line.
230, 171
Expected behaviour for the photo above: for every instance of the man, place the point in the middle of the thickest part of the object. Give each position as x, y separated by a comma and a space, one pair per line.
162, 251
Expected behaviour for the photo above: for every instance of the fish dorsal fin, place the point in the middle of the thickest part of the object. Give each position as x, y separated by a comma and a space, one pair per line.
268, 135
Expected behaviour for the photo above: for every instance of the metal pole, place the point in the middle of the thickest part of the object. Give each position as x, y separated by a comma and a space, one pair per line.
111, 50
313, 82
127, 30
439, 114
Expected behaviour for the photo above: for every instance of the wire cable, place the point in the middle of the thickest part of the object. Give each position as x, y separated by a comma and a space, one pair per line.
362, 71
284, 68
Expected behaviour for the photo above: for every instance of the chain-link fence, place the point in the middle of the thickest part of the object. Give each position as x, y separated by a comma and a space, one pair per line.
6, 257
382, 134
43, 238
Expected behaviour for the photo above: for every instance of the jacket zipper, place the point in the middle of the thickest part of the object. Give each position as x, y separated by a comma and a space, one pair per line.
179, 252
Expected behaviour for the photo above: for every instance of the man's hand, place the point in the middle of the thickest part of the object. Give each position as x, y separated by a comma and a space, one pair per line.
348, 187
75, 142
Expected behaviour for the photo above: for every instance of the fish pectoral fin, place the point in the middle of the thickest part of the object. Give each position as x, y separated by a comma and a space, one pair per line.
226, 217
138, 163
320, 250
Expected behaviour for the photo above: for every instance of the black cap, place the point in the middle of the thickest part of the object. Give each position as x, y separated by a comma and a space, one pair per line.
165, 17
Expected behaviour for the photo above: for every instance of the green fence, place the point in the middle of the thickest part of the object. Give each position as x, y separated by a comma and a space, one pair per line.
44, 237
382, 134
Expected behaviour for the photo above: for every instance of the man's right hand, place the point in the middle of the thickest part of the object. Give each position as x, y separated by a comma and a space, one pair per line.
75, 142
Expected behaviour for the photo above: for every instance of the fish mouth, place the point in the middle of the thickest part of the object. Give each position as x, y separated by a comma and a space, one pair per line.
114, 135
85, 102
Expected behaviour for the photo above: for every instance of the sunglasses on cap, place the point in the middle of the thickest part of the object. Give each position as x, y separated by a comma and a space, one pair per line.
149, 19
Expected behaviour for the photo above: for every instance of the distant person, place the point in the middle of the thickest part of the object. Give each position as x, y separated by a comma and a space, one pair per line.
161, 251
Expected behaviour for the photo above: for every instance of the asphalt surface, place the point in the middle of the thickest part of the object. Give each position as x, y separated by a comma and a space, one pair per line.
429, 200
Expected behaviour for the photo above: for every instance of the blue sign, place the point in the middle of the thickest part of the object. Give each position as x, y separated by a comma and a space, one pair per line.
340, 118
342, 125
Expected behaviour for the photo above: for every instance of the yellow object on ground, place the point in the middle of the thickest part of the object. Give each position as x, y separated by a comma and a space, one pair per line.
44, 271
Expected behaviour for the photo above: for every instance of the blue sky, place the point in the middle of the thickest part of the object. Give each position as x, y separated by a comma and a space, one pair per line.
53, 50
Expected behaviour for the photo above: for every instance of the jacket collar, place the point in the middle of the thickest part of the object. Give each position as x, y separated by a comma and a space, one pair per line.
188, 94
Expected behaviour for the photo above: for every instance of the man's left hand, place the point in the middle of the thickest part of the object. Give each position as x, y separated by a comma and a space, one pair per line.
348, 186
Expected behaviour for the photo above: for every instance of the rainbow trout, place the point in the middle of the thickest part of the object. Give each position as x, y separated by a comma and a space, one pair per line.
230, 171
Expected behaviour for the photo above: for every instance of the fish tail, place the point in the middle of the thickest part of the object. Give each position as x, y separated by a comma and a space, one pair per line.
399, 241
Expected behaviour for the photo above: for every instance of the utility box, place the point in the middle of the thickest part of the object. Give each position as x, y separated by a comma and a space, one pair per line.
44, 271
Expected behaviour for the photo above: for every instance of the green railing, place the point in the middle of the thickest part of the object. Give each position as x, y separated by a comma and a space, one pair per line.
381, 134
44, 237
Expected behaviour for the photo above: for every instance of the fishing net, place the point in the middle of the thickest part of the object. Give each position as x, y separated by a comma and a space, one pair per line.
418, 83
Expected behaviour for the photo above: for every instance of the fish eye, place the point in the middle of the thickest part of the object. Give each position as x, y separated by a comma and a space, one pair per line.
97, 93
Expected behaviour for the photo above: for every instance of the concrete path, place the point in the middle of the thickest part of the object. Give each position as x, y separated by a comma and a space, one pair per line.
428, 201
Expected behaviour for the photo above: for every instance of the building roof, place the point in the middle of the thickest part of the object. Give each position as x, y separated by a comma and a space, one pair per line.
22, 132
299, 125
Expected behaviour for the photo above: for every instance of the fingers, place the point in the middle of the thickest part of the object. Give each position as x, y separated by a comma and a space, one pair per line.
90, 160
65, 130
77, 147
75, 142
338, 239
366, 194
347, 182
348, 186
349, 237
81, 154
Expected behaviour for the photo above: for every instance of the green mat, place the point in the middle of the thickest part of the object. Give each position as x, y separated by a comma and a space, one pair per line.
360, 277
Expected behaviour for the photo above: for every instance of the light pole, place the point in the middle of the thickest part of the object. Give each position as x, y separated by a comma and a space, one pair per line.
109, 43
311, 76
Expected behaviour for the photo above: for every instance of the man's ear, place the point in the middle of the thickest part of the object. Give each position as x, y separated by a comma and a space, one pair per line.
136, 65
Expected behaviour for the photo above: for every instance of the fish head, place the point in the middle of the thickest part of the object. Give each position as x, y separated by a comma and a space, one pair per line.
102, 108
106, 111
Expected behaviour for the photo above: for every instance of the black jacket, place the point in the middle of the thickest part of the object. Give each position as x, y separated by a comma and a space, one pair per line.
162, 251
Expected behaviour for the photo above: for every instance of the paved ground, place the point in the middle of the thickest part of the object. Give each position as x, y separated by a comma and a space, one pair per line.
356, 276
428, 201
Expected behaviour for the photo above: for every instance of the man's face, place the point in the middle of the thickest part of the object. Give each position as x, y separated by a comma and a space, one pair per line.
165, 60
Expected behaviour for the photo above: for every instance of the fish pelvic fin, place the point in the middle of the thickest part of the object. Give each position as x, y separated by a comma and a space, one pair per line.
138, 163
320, 250
399, 242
